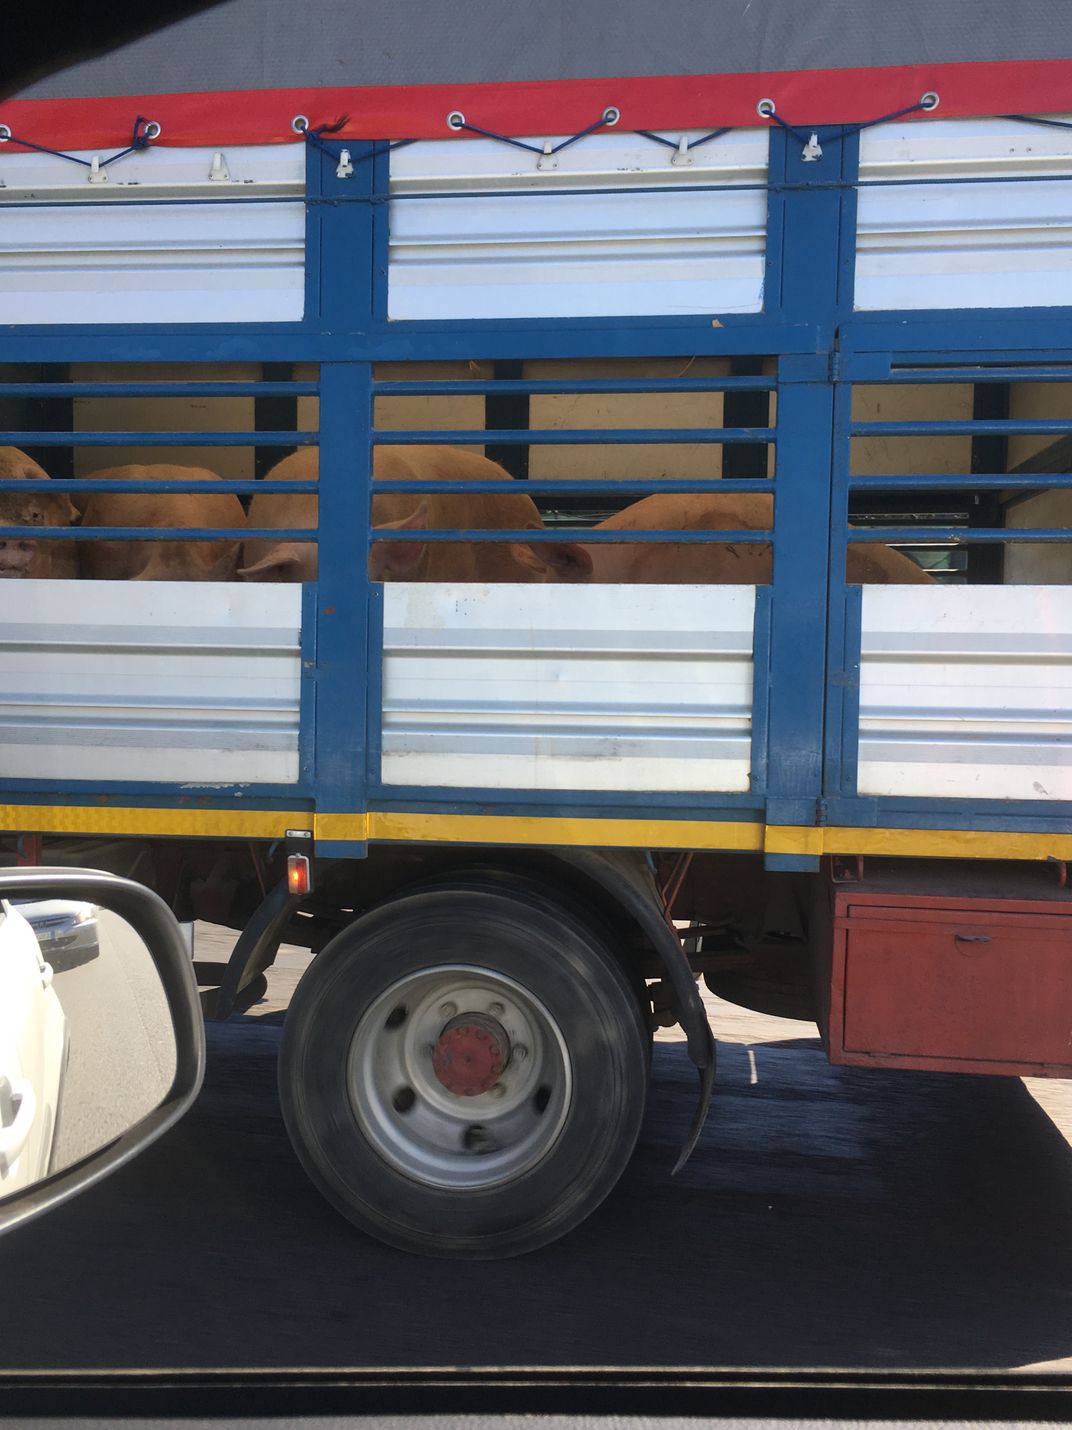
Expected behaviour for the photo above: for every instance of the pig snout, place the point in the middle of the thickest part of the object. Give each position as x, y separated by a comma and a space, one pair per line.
16, 556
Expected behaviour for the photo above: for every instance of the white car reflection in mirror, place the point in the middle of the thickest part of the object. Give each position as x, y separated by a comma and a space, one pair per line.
66, 929
102, 1043
33, 1054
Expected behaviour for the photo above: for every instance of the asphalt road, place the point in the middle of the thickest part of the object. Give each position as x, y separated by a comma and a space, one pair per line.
122, 1048
830, 1218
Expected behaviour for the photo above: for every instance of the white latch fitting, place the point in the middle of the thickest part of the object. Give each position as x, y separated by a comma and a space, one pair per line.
681, 154
97, 174
547, 159
812, 150
219, 173
345, 168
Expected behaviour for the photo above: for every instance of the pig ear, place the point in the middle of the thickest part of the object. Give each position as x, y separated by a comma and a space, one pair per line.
416, 521
569, 560
398, 560
284, 566
564, 561
395, 560
63, 509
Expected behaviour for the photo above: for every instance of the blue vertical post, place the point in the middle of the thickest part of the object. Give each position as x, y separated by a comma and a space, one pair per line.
342, 606
811, 242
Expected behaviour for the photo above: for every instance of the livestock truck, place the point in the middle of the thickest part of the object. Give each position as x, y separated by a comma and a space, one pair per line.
515, 823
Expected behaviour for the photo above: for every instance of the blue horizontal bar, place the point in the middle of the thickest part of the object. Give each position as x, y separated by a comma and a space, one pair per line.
141, 793
1043, 816
925, 535
551, 487
422, 799
962, 427
923, 375
161, 439
476, 534
572, 386
160, 486
576, 437
433, 340
585, 535
157, 533
963, 482
967, 179
159, 389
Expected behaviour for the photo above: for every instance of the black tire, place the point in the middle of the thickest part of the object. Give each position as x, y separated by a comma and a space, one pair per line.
597, 1067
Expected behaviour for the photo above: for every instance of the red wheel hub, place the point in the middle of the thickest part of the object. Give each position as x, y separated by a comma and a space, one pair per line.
470, 1055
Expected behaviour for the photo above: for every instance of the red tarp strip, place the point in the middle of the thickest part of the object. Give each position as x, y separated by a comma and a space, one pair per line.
802, 97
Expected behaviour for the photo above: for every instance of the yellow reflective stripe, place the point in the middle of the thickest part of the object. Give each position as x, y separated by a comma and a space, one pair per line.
792, 839
339, 826
552, 829
120, 819
948, 843
404, 827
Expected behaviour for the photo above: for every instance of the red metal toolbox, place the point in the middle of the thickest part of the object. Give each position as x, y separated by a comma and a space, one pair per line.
951, 982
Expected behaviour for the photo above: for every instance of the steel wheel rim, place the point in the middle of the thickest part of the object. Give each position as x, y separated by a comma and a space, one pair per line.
442, 1138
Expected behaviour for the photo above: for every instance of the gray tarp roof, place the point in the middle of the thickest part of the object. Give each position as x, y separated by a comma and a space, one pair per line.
270, 44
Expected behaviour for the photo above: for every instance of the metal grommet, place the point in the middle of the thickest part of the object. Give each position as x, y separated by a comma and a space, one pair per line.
929, 100
5, 133
455, 119
299, 124
153, 130
611, 115
765, 108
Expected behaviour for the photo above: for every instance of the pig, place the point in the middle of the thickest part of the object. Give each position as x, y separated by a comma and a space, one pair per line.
161, 560
23, 557
415, 560
719, 563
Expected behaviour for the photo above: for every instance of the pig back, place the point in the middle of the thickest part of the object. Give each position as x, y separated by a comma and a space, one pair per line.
104, 560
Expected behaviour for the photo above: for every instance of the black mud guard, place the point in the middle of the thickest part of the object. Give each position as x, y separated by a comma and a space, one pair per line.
628, 876
256, 947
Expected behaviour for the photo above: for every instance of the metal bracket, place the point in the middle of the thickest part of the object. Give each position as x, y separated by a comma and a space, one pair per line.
681, 155
812, 149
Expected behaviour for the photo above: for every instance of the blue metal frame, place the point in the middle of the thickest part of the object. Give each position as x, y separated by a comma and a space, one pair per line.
943, 364
807, 640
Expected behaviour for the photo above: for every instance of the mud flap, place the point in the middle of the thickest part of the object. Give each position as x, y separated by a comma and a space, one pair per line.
256, 948
632, 882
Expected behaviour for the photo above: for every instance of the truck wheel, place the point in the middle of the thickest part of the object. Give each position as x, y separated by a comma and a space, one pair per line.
463, 1073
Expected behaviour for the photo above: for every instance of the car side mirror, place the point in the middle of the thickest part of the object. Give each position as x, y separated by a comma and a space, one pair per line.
102, 1042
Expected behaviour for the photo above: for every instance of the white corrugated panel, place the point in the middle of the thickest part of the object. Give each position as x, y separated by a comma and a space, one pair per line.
966, 692
568, 688
945, 243
463, 247
191, 683
158, 242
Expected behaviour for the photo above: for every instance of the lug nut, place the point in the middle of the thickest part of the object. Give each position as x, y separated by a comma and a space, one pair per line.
496, 1010
448, 1010
520, 1052
497, 1091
